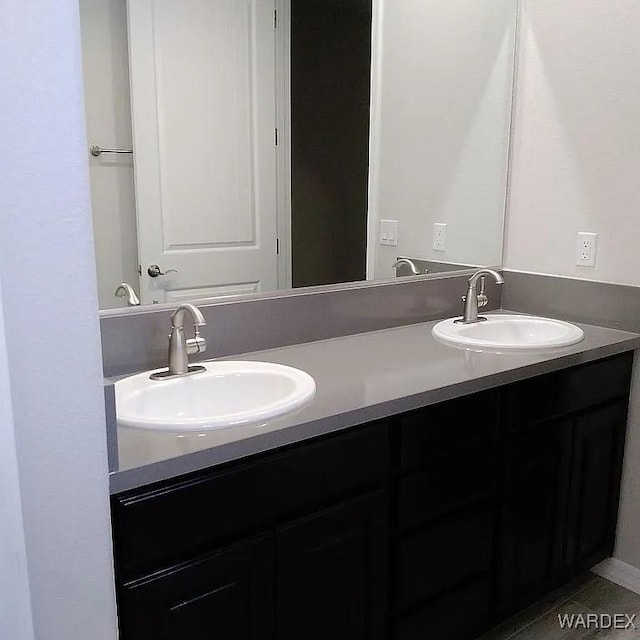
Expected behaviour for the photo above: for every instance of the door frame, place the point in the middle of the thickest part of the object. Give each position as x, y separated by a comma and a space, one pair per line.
375, 136
282, 24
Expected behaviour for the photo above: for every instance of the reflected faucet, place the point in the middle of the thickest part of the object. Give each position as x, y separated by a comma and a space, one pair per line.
400, 261
472, 300
125, 290
179, 347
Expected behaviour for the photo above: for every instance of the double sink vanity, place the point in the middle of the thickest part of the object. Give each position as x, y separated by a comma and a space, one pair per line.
338, 451
420, 481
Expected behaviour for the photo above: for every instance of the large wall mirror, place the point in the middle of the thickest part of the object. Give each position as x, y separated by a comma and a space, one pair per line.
242, 146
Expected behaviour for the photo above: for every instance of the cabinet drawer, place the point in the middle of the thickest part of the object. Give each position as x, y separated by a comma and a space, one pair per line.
461, 615
566, 391
446, 487
445, 428
437, 558
177, 521
228, 595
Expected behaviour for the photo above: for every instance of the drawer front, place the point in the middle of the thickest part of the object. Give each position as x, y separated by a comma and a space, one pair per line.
446, 487
439, 557
460, 615
226, 595
445, 428
566, 391
177, 521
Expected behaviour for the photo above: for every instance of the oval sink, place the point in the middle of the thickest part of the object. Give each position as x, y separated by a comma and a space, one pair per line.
505, 332
227, 394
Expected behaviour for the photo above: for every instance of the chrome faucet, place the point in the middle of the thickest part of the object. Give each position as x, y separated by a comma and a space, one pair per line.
179, 347
125, 290
400, 261
473, 300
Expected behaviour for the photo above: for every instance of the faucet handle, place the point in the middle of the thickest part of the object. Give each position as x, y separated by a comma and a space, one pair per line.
197, 344
483, 300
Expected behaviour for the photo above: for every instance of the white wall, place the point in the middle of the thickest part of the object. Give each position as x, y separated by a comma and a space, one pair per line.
15, 599
576, 155
440, 153
47, 276
108, 111
576, 166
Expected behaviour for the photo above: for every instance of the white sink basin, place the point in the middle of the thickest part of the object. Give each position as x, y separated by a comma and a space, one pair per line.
502, 332
227, 394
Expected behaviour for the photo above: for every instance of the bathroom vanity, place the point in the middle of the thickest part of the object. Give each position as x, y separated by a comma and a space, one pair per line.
434, 522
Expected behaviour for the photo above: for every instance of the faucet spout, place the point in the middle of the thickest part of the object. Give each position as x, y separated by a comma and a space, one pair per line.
179, 347
177, 317
473, 280
125, 290
400, 261
470, 315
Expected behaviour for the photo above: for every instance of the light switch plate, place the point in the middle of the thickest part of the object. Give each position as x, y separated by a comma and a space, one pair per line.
389, 233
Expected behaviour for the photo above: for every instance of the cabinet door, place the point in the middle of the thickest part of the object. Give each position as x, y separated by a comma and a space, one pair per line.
536, 482
595, 486
331, 573
227, 595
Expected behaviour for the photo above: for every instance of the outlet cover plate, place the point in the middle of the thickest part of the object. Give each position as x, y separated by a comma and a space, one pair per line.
439, 236
586, 245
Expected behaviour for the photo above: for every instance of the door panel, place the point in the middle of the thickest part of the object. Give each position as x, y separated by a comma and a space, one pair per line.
595, 485
331, 574
536, 483
204, 144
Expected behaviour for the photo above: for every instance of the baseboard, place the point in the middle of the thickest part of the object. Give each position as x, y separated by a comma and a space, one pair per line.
620, 573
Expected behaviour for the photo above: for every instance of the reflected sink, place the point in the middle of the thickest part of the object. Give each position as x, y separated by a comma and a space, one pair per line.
503, 332
227, 394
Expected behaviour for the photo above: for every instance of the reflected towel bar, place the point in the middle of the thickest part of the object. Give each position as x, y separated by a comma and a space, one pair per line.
95, 150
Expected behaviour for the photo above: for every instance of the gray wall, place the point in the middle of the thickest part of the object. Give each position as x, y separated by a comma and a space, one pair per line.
137, 340
47, 276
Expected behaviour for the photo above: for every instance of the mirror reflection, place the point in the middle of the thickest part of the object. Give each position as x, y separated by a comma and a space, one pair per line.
242, 146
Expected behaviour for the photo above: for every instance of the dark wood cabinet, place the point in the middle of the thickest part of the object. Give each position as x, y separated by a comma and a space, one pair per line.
598, 449
536, 470
331, 573
226, 595
174, 521
462, 614
562, 464
433, 524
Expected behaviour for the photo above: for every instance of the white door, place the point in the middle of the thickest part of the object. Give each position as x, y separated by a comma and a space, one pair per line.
203, 106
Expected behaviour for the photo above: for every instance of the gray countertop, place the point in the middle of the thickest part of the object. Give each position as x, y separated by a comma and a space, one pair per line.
359, 378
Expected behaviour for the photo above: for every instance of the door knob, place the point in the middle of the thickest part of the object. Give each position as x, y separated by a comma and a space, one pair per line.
154, 271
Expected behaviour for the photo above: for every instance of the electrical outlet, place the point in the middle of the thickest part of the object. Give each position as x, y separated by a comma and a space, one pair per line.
439, 236
389, 233
586, 249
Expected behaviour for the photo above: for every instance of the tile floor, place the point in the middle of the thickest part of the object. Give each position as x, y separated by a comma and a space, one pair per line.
590, 594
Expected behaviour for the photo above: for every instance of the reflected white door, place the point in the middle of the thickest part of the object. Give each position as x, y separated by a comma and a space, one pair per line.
204, 112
